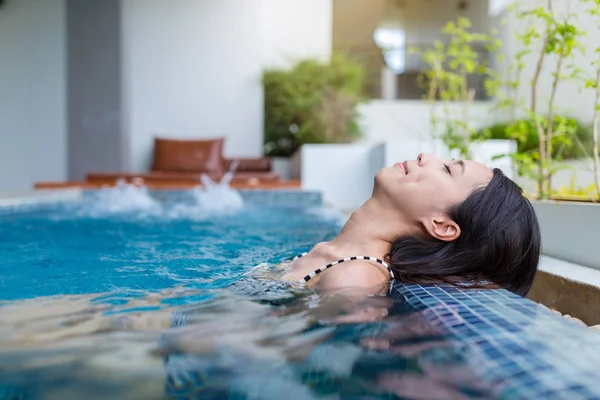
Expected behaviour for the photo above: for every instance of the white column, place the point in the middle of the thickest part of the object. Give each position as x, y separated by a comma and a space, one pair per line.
389, 84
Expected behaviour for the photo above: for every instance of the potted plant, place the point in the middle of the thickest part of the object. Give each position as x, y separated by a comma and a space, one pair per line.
451, 93
546, 139
311, 102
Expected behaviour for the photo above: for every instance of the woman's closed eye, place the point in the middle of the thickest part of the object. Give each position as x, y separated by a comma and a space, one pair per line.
448, 169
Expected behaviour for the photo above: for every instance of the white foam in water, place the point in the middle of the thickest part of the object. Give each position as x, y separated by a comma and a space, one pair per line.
122, 199
220, 196
212, 199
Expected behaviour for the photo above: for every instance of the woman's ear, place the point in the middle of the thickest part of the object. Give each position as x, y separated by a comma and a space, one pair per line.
443, 228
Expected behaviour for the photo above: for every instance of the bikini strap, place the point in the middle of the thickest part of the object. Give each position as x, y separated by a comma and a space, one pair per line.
299, 256
320, 270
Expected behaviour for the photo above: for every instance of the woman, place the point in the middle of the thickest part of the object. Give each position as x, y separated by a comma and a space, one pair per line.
429, 221
432, 221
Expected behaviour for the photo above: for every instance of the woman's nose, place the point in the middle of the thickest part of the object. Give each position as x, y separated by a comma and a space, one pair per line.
423, 158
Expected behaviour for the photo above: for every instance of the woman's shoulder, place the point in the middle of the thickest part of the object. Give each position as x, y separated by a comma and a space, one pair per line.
358, 274
325, 258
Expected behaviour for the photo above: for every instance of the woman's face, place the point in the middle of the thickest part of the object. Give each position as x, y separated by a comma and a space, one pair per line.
423, 189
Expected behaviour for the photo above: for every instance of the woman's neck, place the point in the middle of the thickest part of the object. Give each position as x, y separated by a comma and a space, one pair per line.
370, 230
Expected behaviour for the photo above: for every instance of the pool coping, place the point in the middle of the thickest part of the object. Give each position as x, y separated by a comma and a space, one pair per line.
67, 195
41, 197
571, 271
294, 184
568, 288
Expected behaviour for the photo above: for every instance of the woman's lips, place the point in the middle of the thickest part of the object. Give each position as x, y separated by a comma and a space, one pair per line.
403, 166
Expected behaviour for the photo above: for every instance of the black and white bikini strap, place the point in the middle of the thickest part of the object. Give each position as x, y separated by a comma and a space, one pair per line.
299, 256
366, 258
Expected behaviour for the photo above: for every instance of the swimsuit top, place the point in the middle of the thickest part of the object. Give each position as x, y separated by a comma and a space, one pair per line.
318, 271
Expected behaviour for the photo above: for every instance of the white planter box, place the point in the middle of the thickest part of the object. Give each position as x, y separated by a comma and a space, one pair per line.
282, 166
570, 231
484, 153
343, 173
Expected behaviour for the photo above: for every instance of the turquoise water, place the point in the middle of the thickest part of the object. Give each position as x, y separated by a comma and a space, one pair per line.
64, 250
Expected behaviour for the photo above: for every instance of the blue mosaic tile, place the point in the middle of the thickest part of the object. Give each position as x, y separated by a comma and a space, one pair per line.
298, 198
512, 353
295, 198
519, 347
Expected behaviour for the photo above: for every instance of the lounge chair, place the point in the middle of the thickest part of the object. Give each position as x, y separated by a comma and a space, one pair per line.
185, 161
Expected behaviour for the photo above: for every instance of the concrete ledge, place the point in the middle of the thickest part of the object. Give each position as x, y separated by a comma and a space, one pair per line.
571, 271
569, 231
569, 288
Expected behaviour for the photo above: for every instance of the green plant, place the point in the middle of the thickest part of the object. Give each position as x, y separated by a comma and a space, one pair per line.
588, 193
312, 102
450, 65
559, 37
594, 83
576, 137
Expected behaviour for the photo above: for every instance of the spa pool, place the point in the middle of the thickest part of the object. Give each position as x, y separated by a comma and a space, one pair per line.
132, 295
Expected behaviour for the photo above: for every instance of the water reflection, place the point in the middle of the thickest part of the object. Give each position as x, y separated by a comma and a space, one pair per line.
231, 346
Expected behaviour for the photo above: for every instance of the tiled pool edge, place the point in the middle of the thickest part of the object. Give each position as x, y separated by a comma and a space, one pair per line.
275, 197
41, 198
268, 197
516, 345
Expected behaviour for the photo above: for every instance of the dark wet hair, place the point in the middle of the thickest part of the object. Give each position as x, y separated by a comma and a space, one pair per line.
499, 243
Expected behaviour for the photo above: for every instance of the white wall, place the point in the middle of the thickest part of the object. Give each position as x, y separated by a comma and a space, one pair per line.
32, 93
192, 69
384, 120
293, 29
343, 173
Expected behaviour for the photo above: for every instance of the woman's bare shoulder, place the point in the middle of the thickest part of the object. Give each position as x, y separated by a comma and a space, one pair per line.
357, 274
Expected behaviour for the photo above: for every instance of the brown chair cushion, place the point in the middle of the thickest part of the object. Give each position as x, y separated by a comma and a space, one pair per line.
188, 155
250, 164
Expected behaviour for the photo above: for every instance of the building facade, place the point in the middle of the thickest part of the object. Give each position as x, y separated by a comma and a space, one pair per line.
87, 84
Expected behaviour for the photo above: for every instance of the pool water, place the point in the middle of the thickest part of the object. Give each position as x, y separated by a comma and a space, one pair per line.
62, 250
128, 298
